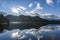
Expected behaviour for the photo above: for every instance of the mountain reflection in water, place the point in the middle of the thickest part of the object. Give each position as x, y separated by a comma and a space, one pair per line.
48, 32
25, 25
16, 22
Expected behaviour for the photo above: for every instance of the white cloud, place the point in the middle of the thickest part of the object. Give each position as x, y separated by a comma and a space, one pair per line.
30, 13
46, 14
21, 7
15, 10
39, 6
49, 16
30, 5
19, 10
27, 12
22, 10
49, 2
35, 10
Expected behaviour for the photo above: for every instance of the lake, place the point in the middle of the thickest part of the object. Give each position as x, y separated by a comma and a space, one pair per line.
47, 32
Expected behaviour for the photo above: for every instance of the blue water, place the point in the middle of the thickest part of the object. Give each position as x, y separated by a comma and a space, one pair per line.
48, 32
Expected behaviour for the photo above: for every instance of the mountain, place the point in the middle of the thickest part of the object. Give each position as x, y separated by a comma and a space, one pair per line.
12, 18
31, 22
31, 19
28, 21
23, 18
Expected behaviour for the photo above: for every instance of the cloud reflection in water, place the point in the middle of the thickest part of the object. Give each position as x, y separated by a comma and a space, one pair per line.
43, 33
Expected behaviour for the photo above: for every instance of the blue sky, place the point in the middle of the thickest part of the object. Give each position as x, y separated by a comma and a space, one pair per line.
30, 6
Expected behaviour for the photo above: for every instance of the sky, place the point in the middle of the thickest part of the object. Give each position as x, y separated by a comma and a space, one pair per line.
29, 7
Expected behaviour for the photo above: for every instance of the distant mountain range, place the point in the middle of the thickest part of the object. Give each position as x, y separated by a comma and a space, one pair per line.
29, 22
36, 19
23, 18
50, 17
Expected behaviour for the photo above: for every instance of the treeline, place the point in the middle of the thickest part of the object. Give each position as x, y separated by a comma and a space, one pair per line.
4, 22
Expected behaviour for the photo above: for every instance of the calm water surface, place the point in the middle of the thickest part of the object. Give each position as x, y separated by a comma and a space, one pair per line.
48, 32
